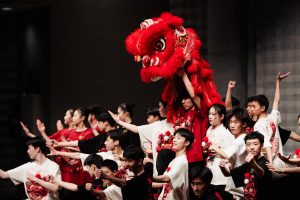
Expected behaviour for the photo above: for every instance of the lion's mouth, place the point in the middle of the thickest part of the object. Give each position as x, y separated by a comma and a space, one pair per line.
156, 78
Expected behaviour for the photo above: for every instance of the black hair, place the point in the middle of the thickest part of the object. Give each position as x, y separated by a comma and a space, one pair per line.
250, 99
134, 153
221, 110
94, 159
298, 117
204, 173
95, 110
127, 107
262, 100
116, 135
39, 142
105, 116
110, 164
188, 135
153, 111
240, 114
255, 135
163, 102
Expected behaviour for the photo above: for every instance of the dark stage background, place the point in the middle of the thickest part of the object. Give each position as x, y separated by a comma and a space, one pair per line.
69, 53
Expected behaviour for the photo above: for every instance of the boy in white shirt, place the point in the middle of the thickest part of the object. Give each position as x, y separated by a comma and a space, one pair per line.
175, 178
38, 175
267, 124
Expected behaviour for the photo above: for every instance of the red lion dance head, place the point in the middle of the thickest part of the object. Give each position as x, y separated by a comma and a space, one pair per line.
163, 46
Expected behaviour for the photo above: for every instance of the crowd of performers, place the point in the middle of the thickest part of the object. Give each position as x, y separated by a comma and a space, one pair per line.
97, 154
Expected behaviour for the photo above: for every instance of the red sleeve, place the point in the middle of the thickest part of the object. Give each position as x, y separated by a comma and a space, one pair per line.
89, 134
203, 111
57, 135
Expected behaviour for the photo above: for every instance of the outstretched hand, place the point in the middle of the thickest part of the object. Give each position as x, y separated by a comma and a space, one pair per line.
114, 116
284, 158
53, 152
26, 130
282, 76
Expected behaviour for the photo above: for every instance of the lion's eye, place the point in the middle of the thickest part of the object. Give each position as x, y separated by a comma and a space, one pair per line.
160, 45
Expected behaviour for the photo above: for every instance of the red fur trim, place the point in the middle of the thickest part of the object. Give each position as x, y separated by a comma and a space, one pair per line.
171, 20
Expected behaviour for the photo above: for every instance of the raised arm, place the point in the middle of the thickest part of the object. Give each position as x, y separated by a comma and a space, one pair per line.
131, 127
228, 100
277, 89
26, 130
42, 129
189, 88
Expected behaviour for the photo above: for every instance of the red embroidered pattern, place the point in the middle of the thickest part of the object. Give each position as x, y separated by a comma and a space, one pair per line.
36, 191
166, 191
249, 188
164, 141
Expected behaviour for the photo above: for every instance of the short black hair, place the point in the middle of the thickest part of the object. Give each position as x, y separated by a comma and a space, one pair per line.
134, 153
250, 99
127, 107
204, 173
94, 159
153, 111
262, 100
188, 135
95, 110
255, 135
110, 164
116, 135
105, 116
240, 114
39, 142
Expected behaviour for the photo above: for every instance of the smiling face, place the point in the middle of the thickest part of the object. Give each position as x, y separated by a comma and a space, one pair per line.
179, 142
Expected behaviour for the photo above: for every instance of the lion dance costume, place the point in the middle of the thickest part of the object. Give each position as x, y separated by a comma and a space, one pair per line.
164, 46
